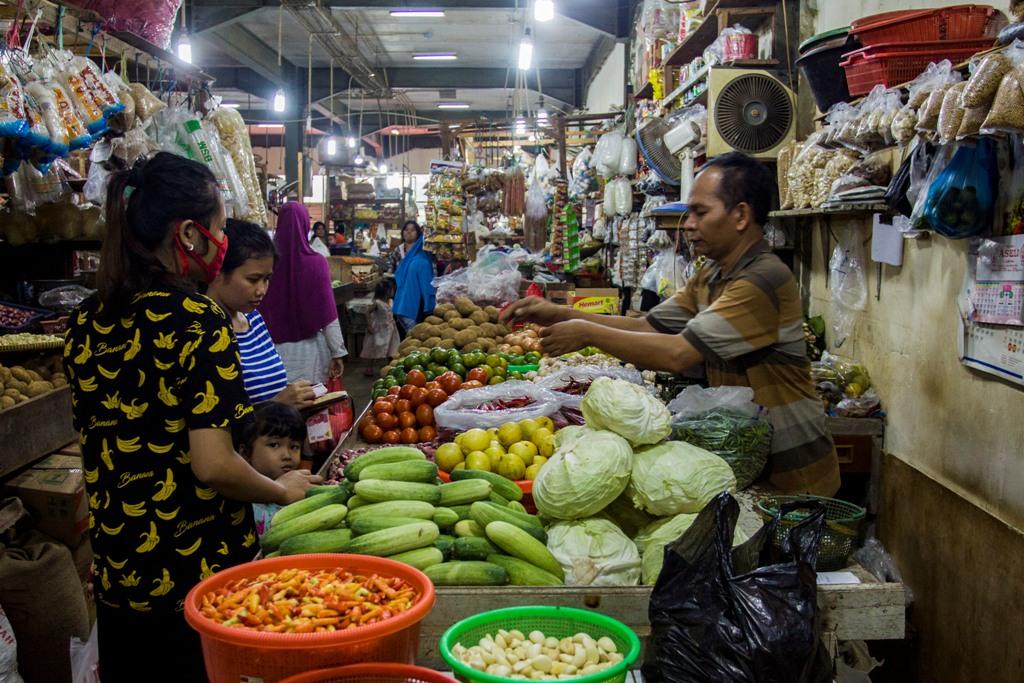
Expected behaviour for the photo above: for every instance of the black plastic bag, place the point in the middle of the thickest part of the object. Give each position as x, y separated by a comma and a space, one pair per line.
738, 615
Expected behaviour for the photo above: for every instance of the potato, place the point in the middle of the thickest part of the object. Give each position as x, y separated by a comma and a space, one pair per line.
432, 341
442, 309
465, 305
464, 337
492, 313
36, 377
7, 402
12, 393
5, 374
479, 317
38, 388
59, 382
21, 398
17, 385
433, 320
452, 315
21, 374
447, 344
475, 346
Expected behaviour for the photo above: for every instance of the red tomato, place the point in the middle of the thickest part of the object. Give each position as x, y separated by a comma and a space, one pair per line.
436, 397
427, 434
410, 435
419, 397
425, 415
393, 391
368, 419
403, 406
450, 382
392, 436
372, 433
387, 421
405, 391
406, 420
478, 374
472, 384
381, 406
416, 378
431, 385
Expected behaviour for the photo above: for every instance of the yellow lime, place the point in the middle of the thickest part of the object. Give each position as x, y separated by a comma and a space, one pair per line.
448, 455
546, 423
475, 440
532, 471
512, 467
509, 433
460, 466
529, 426
546, 447
478, 460
540, 434
539, 460
494, 452
524, 449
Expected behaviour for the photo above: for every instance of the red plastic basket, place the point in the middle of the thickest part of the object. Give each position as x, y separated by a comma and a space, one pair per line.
372, 673
894, 64
949, 23
232, 654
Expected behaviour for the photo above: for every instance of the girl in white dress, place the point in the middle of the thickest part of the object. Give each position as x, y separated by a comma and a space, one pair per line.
381, 343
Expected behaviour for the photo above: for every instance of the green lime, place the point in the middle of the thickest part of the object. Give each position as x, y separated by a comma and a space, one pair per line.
439, 355
390, 381
430, 375
515, 375
459, 369
496, 380
494, 360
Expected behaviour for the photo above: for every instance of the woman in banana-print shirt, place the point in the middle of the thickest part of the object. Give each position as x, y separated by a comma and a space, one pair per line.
156, 387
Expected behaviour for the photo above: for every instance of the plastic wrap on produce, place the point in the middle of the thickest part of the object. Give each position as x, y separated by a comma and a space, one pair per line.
150, 19
234, 136
492, 279
571, 383
493, 406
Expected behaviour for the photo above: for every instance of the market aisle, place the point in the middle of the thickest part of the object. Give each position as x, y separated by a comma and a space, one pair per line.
358, 385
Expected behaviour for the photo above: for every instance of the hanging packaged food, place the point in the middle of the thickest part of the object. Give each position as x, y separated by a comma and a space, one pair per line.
234, 136
146, 103
951, 114
13, 120
608, 155
960, 202
1007, 112
981, 87
206, 149
903, 125
627, 157
623, 197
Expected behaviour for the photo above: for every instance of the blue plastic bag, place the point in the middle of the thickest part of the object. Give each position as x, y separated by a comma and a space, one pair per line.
960, 202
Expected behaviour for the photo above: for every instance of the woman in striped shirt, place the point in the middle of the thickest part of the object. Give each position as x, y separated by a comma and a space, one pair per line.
239, 289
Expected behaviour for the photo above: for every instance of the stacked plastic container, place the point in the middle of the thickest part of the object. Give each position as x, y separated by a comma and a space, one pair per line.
897, 46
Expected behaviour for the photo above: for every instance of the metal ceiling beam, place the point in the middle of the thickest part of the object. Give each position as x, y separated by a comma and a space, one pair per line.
601, 16
249, 50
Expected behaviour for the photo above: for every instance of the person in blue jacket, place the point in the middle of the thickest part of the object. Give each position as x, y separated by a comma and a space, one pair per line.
414, 298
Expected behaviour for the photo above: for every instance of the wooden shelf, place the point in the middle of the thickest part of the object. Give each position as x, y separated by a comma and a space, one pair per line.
32, 430
644, 93
698, 41
842, 210
693, 80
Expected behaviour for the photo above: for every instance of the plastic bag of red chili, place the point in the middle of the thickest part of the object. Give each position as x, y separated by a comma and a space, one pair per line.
493, 406
313, 611
571, 383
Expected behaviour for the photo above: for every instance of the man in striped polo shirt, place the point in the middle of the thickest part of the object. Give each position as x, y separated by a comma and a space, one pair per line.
740, 315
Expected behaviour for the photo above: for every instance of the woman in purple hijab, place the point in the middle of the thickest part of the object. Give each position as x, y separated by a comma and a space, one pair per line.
299, 308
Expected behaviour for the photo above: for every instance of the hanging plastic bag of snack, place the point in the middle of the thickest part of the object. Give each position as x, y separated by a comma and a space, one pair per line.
13, 120
146, 103
234, 136
934, 75
951, 114
1007, 112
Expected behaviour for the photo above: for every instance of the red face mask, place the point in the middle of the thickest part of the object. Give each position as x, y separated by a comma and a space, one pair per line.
211, 269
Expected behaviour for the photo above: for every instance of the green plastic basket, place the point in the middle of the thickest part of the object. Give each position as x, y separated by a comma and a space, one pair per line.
557, 622
842, 527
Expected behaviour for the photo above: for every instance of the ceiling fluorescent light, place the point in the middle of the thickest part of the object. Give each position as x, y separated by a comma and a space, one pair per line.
435, 56
395, 131
279, 101
543, 10
185, 49
351, 142
453, 105
268, 125
230, 105
332, 146
526, 52
417, 13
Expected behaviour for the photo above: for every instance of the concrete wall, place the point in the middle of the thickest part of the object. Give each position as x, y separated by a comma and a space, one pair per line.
953, 481
607, 89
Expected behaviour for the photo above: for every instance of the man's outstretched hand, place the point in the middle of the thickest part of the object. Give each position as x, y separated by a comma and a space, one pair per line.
534, 309
565, 337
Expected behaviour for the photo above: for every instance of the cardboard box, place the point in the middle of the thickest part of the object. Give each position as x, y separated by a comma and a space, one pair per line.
597, 300
54, 491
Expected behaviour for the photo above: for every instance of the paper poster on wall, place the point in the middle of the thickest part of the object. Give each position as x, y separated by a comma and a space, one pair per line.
994, 349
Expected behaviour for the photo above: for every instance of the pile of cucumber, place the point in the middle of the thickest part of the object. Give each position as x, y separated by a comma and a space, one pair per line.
472, 531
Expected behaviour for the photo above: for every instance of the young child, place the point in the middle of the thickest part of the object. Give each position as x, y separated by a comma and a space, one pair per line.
381, 343
272, 443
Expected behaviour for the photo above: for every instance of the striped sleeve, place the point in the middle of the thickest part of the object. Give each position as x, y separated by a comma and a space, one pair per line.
672, 315
743, 319
262, 368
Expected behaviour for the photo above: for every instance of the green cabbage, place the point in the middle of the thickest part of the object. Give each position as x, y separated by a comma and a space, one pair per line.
651, 541
588, 470
676, 477
594, 552
627, 409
